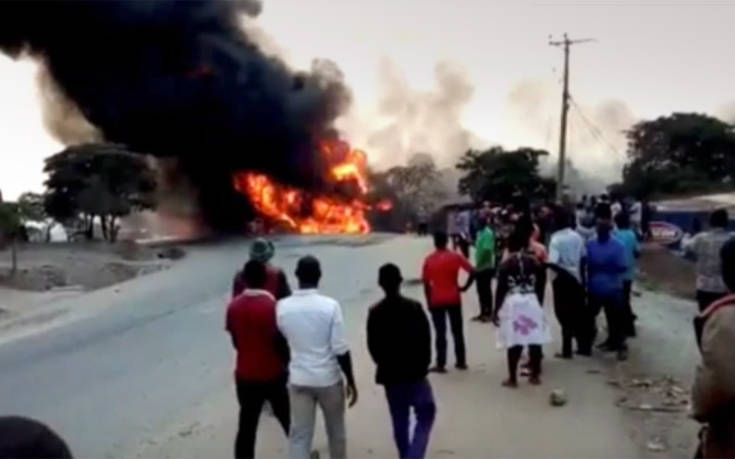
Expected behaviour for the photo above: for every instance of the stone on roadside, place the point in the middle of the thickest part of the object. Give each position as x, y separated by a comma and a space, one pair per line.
655, 445
558, 397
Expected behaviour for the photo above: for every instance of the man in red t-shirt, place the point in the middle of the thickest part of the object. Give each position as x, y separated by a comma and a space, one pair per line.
440, 277
262, 357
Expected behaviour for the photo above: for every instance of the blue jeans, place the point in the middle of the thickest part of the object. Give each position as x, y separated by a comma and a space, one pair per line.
402, 397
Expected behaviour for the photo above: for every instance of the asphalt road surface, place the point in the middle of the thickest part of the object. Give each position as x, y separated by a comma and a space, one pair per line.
149, 356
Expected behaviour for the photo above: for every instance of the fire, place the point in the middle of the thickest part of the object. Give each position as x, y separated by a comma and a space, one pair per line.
309, 214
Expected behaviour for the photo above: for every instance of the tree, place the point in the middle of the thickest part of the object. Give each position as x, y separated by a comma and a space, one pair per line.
31, 207
415, 190
499, 175
680, 153
10, 230
98, 180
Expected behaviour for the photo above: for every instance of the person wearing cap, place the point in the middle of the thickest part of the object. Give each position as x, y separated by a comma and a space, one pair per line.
399, 341
262, 250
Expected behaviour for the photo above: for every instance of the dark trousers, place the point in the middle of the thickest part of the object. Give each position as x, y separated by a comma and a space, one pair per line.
628, 315
402, 398
704, 299
484, 282
439, 317
535, 355
612, 304
541, 286
569, 307
252, 395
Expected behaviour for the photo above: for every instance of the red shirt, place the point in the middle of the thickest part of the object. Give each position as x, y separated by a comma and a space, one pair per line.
251, 320
275, 283
440, 273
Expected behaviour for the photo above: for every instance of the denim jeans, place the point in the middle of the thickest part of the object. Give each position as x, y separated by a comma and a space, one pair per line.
403, 397
331, 400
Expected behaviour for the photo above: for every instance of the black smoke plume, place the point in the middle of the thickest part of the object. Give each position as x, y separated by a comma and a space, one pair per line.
181, 79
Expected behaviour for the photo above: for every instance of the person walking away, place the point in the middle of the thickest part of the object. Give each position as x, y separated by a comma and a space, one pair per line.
566, 252
636, 218
518, 314
628, 238
485, 270
262, 357
440, 277
463, 227
262, 251
605, 268
705, 247
713, 393
453, 228
313, 326
399, 341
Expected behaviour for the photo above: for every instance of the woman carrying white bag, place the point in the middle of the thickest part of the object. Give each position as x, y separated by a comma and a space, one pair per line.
518, 314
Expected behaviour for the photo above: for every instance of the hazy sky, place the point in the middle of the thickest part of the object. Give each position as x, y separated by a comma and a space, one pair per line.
651, 58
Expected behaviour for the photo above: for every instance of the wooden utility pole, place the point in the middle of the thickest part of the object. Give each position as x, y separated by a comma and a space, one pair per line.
566, 43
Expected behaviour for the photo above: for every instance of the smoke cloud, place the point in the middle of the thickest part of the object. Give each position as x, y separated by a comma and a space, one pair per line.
596, 141
180, 79
414, 121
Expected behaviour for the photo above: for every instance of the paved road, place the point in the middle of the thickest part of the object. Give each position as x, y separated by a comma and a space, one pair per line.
145, 370
156, 347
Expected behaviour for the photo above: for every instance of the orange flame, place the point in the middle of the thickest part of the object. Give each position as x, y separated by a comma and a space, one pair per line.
308, 214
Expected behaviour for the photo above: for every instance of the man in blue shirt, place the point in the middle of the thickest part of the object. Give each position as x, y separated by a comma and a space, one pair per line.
605, 269
629, 239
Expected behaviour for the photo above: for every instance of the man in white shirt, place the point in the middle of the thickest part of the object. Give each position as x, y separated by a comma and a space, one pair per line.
566, 251
313, 326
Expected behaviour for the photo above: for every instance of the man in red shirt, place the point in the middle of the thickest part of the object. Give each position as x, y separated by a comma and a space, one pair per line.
262, 357
440, 277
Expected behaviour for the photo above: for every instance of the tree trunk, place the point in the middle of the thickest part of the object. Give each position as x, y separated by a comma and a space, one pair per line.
113, 229
90, 227
105, 229
14, 256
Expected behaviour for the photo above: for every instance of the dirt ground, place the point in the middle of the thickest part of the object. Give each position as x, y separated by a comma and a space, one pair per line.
662, 270
80, 266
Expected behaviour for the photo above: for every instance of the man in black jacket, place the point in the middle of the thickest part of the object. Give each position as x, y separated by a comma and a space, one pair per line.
399, 340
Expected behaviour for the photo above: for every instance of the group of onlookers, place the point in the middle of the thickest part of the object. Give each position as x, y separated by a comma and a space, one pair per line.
295, 355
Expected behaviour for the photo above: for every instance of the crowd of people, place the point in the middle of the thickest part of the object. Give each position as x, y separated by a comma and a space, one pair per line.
293, 353
291, 345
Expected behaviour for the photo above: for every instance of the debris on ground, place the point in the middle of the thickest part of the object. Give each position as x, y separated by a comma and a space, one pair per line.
662, 395
558, 397
655, 445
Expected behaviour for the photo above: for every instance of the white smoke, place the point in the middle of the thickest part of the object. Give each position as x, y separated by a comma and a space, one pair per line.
410, 121
596, 141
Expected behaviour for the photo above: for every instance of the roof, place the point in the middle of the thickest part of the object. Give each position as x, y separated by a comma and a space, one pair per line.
702, 203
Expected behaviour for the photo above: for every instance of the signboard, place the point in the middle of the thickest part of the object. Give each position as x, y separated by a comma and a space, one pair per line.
666, 233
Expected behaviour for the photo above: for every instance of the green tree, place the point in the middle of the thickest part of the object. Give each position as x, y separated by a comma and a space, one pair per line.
104, 181
678, 154
498, 175
10, 230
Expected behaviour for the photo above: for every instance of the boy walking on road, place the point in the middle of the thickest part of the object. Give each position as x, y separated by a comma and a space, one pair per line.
262, 356
443, 296
313, 325
399, 341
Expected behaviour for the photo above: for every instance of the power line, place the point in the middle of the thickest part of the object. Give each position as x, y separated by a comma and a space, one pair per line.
594, 130
565, 44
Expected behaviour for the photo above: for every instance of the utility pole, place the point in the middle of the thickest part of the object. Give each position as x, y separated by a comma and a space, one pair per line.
565, 43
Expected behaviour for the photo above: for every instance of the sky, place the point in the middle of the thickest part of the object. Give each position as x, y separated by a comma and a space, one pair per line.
650, 58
